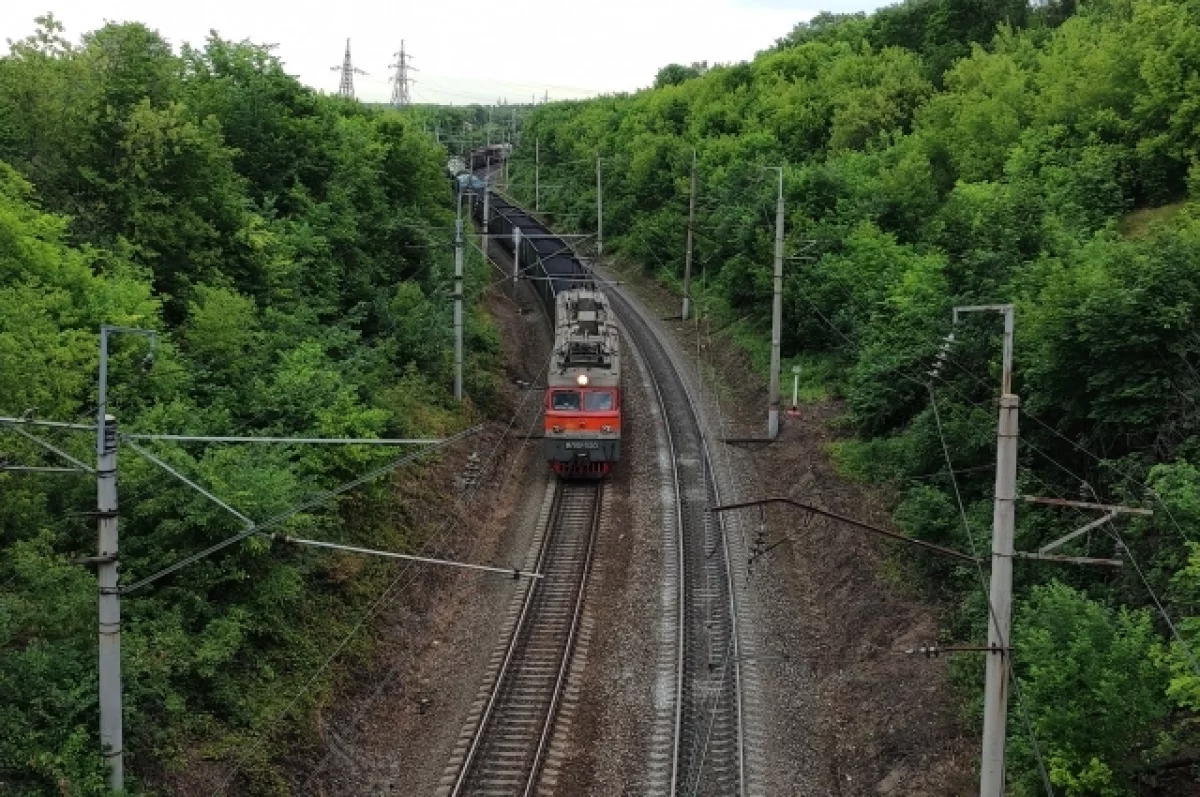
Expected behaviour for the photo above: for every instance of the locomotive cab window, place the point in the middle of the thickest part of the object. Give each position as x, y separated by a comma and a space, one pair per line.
565, 400
598, 400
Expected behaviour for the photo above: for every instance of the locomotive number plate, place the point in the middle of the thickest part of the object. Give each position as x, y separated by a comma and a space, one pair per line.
582, 444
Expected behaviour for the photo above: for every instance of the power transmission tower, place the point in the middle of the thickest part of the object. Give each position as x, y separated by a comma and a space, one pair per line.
400, 96
346, 86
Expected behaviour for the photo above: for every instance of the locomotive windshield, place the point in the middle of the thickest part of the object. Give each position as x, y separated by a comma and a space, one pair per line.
566, 400
598, 400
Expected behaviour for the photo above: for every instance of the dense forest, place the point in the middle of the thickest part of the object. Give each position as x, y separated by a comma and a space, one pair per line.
291, 251
953, 152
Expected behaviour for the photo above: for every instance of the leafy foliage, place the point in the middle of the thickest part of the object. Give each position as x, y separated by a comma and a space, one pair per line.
283, 245
958, 152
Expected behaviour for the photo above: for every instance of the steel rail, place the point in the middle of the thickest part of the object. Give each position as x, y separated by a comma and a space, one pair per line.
509, 653
691, 418
735, 638
568, 653
680, 567
647, 341
528, 619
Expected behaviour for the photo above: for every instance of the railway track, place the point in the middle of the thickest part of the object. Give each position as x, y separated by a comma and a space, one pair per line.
708, 747
505, 753
709, 754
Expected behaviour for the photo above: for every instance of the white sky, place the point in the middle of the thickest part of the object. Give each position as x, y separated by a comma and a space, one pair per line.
466, 51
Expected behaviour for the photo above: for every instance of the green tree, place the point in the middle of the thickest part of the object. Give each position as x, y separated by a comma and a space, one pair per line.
1094, 690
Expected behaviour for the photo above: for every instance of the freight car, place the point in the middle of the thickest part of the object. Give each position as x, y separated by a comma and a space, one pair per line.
546, 260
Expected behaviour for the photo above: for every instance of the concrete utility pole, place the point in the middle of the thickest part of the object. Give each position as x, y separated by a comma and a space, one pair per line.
111, 726
687, 255
537, 175
483, 238
999, 650
776, 316
599, 210
995, 699
111, 729
516, 258
458, 300
106, 560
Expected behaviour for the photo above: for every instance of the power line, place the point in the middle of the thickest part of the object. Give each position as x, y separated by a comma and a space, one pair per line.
1128, 552
1005, 643
1125, 476
446, 527
316, 500
1025, 413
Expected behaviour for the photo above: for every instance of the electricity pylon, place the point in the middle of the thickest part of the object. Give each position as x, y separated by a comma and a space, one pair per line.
400, 96
346, 86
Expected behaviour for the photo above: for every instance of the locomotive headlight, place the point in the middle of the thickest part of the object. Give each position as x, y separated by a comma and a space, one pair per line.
556, 429
606, 429
581, 380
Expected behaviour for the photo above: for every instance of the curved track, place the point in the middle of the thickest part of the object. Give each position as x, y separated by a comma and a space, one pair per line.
506, 752
709, 757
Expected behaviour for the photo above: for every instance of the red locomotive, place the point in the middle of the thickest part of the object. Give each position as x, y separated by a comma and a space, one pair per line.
583, 394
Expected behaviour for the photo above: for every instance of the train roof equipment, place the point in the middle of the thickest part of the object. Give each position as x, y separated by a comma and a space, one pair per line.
586, 352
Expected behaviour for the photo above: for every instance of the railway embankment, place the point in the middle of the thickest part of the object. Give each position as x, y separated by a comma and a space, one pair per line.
838, 707
830, 704
394, 724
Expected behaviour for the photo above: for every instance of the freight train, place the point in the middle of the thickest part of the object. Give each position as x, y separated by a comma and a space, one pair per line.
582, 427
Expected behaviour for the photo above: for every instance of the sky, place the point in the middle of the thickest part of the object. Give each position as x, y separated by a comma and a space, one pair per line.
465, 51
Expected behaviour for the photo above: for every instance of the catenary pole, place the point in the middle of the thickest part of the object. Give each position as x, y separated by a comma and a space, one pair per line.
109, 596
995, 698
487, 177
111, 731
516, 258
537, 175
687, 255
599, 210
776, 316
458, 299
